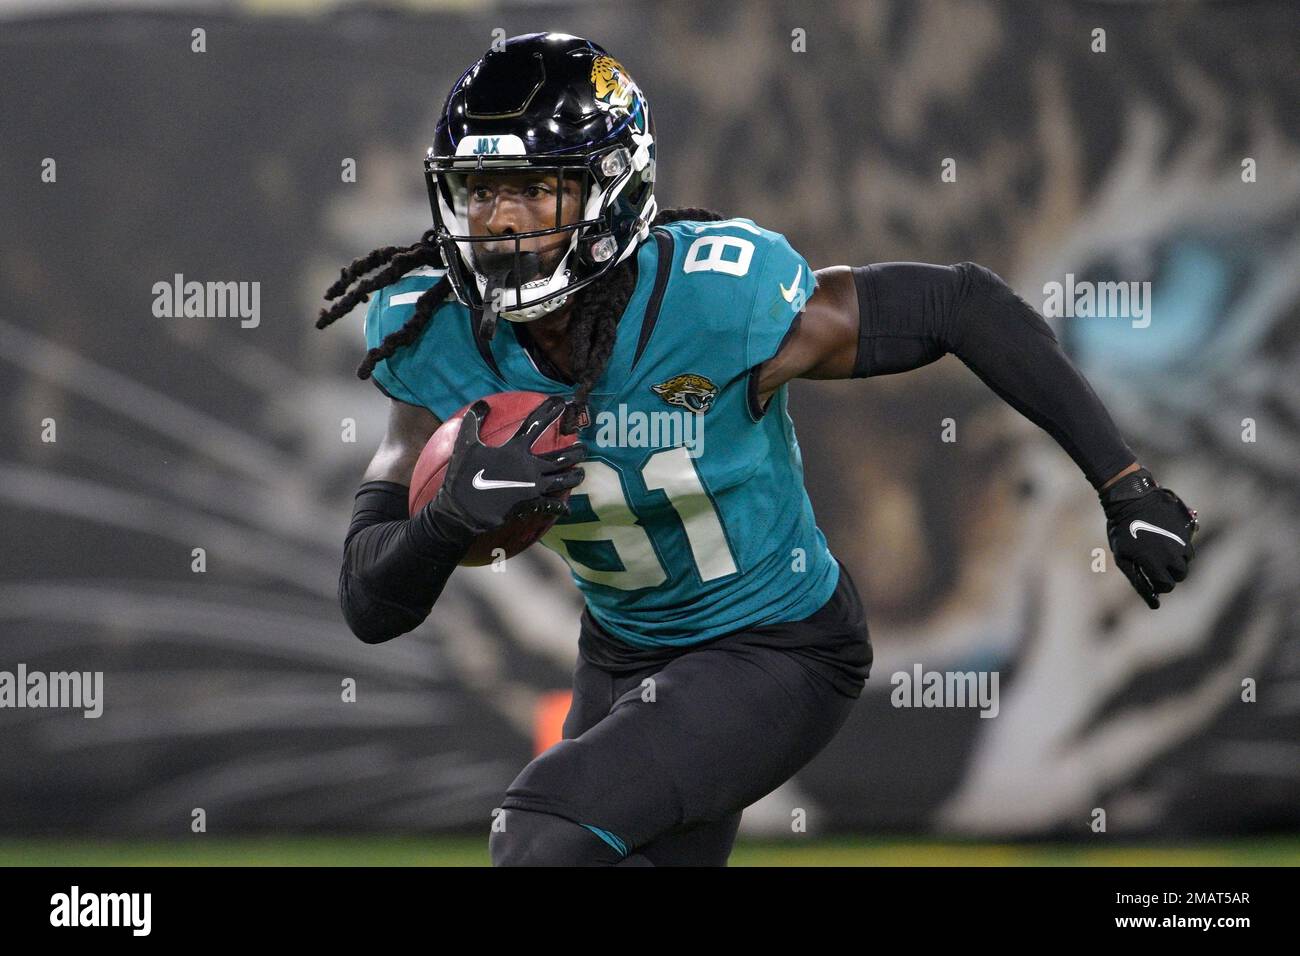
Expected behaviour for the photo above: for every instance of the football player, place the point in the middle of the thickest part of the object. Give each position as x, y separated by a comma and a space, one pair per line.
722, 645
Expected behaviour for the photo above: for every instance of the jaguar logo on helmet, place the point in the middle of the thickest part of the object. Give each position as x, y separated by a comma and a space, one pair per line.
613, 86
553, 106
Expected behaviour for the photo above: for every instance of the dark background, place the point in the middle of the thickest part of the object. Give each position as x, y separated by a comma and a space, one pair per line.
223, 688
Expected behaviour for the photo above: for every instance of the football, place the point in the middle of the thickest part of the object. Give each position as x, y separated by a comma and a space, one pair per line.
506, 410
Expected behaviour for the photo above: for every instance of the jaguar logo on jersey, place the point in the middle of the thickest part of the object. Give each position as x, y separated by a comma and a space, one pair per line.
613, 85
689, 391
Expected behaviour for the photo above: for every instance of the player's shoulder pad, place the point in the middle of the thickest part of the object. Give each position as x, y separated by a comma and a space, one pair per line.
391, 308
751, 280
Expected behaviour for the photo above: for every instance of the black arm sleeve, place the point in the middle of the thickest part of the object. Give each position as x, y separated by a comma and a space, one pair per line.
911, 313
393, 568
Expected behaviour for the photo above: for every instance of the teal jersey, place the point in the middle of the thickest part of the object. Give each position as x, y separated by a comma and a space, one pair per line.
692, 520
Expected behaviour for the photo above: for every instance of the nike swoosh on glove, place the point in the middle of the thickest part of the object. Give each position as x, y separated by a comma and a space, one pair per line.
487, 486
1150, 532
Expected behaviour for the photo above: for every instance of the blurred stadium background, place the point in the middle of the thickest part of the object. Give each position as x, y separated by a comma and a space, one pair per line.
223, 688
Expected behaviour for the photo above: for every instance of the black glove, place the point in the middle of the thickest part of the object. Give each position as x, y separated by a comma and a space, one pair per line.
488, 486
1150, 532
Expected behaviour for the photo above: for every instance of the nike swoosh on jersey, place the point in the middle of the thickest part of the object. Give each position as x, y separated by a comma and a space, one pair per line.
487, 484
789, 294
1137, 526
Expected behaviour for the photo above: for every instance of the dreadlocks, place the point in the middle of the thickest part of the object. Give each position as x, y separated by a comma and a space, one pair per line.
592, 326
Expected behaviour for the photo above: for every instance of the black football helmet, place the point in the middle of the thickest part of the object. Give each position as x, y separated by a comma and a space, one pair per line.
553, 103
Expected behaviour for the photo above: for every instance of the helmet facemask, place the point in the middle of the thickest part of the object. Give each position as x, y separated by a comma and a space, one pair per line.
523, 284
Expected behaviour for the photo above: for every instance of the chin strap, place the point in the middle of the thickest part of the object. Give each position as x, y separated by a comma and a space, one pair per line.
507, 271
487, 325
530, 312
